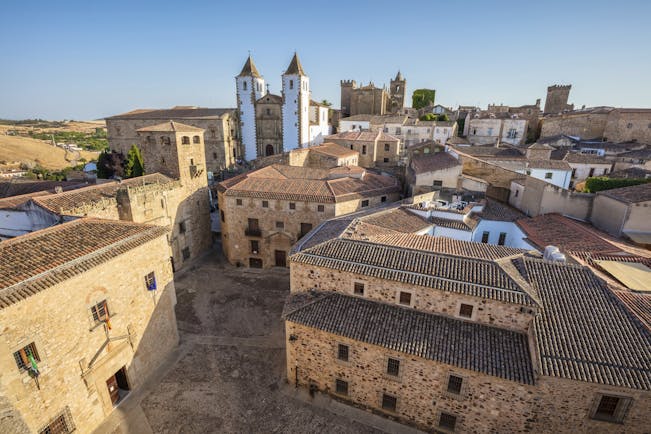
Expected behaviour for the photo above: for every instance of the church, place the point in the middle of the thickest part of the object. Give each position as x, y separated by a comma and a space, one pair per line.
271, 124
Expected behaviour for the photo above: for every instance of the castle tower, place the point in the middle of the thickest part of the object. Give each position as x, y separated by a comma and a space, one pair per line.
296, 104
250, 87
347, 88
557, 96
398, 91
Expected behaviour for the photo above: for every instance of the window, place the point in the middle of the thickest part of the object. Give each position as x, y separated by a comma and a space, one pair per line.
398, 130
548, 175
342, 352
490, 131
484, 237
196, 139
253, 228
24, 355
454, 384
280, 225
320, 208
182, 227
573, 173
611, 408
255, 262
305, 228
447, 421
292, 205
629, 125
386, 160
465, 310
363, 149
186, 253
100, 312
502, 239
591, 173
265, 204
150, 281
214, 155
405, 298
185, 140
364, 203
387, 147
517, 193
238, 202
393, 367
268, 111
358, 288
60, 424
255, 247
291, 84
221, 214
389, 402
383, 199
351, 147
341, 387
244, 85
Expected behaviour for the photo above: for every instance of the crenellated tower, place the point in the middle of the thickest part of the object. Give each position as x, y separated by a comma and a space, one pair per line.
296, 104
250, 87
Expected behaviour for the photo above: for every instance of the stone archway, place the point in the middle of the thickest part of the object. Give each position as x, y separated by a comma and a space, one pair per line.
269, 150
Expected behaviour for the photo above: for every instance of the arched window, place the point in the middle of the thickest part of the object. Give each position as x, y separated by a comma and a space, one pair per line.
269, 150
185, 140
196, 139
244, 85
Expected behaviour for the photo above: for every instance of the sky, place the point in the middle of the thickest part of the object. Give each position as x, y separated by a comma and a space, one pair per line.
87, 60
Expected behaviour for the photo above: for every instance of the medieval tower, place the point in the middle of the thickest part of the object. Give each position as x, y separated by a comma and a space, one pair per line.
397, 90
250, 87
557, 96
347, 88
296, 103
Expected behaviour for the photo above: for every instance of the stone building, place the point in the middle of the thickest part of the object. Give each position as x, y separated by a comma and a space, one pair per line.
375, 148
624, 212
531, 112
484, 128
221, 134
372, 100
272, 124
458, 336
87, 314
556, 101
325, 156
433, 171
264, 212
175, 195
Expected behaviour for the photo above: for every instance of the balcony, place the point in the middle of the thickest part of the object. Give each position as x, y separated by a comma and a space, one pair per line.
253, 232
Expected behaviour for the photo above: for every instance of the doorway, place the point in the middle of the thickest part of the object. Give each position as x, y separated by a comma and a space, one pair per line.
269, 150
118, 386
281, 258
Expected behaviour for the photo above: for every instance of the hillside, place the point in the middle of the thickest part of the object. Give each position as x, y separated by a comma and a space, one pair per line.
15, 150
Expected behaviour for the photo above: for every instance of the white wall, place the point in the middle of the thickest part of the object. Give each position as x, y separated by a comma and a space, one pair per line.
442, 134
353, 126
582, 171
295, 110
560, 178
246, 106
457, 234
514, 235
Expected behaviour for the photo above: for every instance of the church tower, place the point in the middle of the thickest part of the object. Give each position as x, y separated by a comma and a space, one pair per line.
398, 92
296, 104
250, 87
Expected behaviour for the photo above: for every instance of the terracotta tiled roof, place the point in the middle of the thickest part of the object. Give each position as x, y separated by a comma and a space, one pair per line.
332, 149
459, 225
423, 163
17, 188
14, 202
548, 164
175, 113
638, 303
575, 157
64, 202
496, 352
491, 152
36, 261
494, 210
397, 219
633, 194
302, 183
171, 126
583, 332
475, 277
448, 246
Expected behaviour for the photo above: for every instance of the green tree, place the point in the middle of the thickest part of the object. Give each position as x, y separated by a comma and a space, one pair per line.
422, 98
110, 164
134, 166
434, 117
326, 102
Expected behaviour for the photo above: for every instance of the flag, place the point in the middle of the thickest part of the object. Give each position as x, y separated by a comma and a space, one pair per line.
108, 323
33, 364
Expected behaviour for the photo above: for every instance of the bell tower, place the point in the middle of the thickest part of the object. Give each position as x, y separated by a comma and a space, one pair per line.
250, 87
398, 92
296, 104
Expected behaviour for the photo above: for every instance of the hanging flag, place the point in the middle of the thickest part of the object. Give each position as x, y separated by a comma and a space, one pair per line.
108, 323
34, 366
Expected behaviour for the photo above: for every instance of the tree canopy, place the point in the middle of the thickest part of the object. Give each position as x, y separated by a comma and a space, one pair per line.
422, 98
134, 165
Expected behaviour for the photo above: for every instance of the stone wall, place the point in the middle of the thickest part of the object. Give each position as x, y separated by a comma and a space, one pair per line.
539, 197
368, 101
629, 124
269, 125
584, 125
491, 312
486, 404
75, 362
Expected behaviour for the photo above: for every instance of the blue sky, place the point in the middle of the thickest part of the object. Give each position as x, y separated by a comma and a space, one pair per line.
86, 60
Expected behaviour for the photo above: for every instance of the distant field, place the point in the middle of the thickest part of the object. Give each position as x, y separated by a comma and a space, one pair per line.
15, 150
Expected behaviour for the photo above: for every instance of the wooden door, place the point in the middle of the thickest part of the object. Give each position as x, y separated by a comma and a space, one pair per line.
114, 391
281, 260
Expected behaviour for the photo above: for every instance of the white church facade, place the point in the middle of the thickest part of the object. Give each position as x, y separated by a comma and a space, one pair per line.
272, 124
